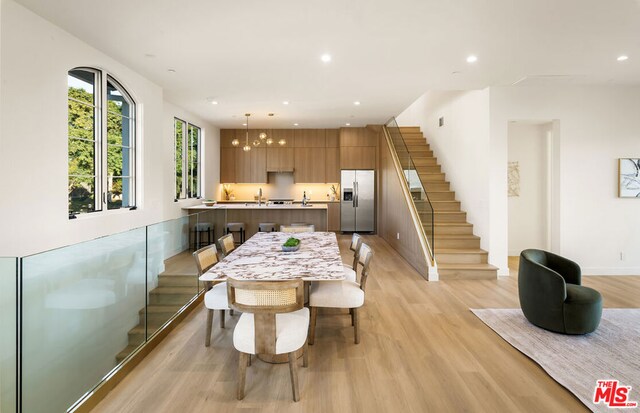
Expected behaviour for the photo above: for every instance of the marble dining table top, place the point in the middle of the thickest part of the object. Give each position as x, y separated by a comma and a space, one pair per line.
261, 258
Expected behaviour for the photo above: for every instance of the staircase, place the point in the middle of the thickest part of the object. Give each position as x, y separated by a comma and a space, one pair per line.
457, 249
176, 286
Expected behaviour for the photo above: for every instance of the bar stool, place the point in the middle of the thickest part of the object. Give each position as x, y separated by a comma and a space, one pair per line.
267, 227
199, 230
236, 227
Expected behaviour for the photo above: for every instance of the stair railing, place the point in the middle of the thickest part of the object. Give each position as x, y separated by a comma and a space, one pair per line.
413, 187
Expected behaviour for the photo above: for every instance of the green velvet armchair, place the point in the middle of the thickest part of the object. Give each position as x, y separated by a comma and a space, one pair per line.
551, 296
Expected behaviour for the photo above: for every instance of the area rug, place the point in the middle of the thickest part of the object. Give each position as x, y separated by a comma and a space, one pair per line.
612, 352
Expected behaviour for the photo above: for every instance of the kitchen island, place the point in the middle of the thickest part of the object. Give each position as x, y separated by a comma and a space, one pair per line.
252, 214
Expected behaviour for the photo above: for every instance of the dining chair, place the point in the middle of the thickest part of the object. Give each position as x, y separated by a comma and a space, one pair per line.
297, 228
341, 294
227, 244
351, 271
216, 296
273, 321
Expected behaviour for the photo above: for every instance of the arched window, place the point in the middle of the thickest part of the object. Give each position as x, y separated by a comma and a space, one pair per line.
101, 143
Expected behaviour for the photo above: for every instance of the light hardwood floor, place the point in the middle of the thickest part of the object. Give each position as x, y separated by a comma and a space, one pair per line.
421, 350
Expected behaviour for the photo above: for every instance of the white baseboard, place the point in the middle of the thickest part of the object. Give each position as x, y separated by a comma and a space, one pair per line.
586, 271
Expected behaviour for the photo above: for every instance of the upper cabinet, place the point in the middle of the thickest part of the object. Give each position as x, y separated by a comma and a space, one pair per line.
309, 138
310, 164
313, 155
358, 148
279, 159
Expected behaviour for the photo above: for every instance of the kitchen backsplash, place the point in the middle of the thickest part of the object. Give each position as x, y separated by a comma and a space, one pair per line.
279, 186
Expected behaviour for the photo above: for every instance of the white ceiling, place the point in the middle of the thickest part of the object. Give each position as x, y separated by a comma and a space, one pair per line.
251, 55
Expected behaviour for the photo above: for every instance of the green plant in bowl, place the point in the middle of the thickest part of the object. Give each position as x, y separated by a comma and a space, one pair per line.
292, 244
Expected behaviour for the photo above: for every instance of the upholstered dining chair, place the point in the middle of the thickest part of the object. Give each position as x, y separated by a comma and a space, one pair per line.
551, 294
227, 244
273, 321
297, 228
351, 270
341, 294
216, 296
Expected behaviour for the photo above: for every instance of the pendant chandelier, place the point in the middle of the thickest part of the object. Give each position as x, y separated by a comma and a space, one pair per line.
262, 137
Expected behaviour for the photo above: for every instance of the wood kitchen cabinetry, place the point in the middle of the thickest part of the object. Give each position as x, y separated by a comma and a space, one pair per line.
309, 165
313, 155
333, 216
280, 159
358, 148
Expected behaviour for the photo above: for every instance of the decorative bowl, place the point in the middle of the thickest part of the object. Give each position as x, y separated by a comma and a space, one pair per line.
209, 203
290, 249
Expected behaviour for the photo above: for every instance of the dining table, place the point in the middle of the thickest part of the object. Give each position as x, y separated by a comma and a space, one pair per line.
261, 258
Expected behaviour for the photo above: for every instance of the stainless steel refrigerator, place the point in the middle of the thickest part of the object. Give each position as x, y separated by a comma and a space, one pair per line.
357, 201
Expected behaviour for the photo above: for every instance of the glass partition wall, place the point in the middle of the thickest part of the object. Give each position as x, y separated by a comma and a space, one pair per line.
85, 308
8, 332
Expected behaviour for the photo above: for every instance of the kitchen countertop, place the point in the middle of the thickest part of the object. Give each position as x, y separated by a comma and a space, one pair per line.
295, 202
254, 205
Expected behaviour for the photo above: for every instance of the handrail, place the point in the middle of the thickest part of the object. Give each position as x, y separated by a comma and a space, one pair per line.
406, 190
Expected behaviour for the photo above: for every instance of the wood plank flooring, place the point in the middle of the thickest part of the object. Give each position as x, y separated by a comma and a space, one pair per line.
421, 350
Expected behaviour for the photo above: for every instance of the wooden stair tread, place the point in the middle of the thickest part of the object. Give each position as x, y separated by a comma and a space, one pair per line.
457, 236
459, 251
477, 267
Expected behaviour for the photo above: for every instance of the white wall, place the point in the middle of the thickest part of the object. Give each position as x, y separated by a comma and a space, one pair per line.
36, 56
598, 125
528, 211
462, 148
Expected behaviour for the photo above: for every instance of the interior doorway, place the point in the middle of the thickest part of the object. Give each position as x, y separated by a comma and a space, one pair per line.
532, 146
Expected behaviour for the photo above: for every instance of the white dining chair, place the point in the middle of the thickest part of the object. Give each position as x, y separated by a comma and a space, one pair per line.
341, 294
216, 296
273, 321
297, 228
351, 270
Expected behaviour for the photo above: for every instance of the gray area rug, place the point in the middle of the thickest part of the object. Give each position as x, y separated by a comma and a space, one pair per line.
612, 352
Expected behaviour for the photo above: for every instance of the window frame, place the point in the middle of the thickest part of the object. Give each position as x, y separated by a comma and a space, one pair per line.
187, 176
101, 142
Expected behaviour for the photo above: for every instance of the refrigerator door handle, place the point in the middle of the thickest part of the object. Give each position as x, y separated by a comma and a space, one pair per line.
355, 194
356, 183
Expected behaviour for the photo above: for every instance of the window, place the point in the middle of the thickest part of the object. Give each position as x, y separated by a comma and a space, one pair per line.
187, 159
101, 143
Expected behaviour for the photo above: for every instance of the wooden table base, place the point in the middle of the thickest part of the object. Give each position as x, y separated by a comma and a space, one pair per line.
279, 358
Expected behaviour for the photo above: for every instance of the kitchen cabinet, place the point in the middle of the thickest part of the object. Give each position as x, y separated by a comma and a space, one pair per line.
309, 165
243, 166
258, 168
333, 216
309, 138
332, 138
228, 165
280, 159
332, 169
352, 157
359, 137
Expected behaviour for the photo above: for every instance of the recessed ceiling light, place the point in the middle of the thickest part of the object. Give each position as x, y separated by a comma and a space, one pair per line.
622, 58
171, 70
357, 103
214, 102
347, 124
326, 58
286, 102
295, 124
244, 124
472, 59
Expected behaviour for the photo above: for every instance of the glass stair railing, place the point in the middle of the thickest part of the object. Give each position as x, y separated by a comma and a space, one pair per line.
421, 206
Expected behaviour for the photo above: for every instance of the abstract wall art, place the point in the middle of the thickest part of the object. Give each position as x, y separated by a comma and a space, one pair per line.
513, 177
629, 178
